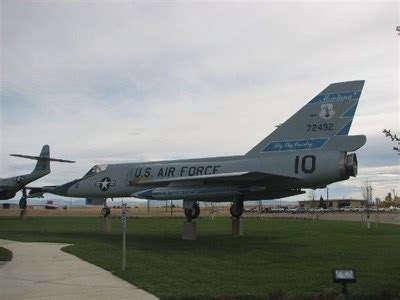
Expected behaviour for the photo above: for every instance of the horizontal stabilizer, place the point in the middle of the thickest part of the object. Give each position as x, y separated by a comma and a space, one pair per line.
347, 143
42, 158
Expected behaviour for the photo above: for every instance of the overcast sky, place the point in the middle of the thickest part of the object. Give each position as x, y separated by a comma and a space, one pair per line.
113, 81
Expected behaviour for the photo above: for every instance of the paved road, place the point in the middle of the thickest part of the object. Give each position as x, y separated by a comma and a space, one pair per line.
389, 218
42, 271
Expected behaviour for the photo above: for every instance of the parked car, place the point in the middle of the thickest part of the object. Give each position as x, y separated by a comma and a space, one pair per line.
347, 209
394, 209
358, 209
277, 210
316, 209
299, 210
331, 209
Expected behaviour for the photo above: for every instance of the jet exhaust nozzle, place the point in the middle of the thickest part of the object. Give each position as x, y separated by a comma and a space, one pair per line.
350, 165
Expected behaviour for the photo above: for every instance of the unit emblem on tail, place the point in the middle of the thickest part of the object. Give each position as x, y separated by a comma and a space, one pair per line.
327, 111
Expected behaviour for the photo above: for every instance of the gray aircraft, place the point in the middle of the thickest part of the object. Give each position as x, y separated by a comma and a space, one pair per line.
309, 150
11, 185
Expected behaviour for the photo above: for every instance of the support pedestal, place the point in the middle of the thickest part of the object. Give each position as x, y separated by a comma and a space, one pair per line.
189, 231
237, 229
22, 214
106, 224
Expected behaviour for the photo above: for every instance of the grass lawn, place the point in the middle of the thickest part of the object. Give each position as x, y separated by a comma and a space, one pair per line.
5, 254
276, 256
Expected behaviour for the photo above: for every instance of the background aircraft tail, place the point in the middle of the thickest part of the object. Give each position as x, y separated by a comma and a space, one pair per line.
328, 114
43, 161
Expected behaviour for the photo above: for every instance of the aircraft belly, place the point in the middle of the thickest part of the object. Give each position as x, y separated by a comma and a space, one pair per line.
5, 195
195, 193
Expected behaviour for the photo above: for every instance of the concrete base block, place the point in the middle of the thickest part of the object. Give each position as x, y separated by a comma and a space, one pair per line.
237, 229
189, 231
22, 214
106, 224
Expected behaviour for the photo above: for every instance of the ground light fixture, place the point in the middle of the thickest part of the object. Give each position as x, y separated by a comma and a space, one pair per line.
344, 276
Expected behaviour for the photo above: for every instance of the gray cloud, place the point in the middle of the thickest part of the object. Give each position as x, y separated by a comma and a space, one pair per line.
122, 81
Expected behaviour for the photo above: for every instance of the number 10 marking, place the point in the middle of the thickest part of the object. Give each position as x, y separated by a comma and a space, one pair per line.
304, 167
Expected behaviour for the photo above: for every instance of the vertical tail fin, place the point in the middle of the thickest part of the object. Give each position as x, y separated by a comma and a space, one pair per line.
328, 114
43, 161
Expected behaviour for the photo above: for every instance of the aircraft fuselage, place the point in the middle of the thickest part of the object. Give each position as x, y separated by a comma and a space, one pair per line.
152, 180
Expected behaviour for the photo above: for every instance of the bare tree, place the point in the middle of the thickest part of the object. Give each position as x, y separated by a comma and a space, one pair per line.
212, 209
394, 138
311, 195
366, 191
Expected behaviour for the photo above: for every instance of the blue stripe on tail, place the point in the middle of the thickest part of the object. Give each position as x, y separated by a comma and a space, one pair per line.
346, 128
336, 97
306, 144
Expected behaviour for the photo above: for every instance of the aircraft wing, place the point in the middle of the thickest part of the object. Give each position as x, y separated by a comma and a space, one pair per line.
37, 192
234, 177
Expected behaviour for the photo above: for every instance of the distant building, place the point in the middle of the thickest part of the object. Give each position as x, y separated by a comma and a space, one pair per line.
338, 203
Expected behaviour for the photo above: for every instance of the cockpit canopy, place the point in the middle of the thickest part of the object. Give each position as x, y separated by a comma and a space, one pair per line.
96, 169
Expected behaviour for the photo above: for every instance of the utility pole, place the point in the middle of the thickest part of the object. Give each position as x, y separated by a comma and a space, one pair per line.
327, 197
171, 208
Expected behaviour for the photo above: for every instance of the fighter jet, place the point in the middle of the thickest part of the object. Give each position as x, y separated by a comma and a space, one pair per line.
11, 185
308, 151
